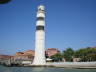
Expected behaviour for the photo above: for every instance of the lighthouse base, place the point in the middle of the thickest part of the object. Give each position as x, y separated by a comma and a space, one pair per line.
38, 62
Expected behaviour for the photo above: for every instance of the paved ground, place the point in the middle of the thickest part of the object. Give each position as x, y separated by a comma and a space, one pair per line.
73, 64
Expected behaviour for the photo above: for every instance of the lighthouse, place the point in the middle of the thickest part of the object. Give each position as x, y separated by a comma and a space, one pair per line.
39, 58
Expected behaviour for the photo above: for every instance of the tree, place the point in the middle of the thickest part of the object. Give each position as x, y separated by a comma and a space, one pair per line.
86, 54
68, 54
57, 57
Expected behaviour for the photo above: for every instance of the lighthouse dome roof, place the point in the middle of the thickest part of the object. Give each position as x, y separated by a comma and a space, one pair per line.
41, 7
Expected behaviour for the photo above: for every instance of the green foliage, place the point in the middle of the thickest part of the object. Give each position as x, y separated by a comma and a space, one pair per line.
86, 54
57, 57
68, 54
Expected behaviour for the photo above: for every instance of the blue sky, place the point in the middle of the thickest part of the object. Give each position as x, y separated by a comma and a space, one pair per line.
69, 23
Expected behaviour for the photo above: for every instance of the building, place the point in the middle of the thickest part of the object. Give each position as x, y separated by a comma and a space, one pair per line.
76, 59
24, 57
5, 59
51, 51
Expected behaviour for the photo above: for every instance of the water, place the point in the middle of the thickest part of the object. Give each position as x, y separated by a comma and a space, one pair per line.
42, 69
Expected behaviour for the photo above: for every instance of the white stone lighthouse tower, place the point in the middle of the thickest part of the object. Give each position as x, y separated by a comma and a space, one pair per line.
39, 58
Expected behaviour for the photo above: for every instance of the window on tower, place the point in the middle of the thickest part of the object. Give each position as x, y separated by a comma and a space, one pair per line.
39, 27
40, 18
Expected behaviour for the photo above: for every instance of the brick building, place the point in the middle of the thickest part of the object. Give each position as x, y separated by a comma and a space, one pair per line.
51, 51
